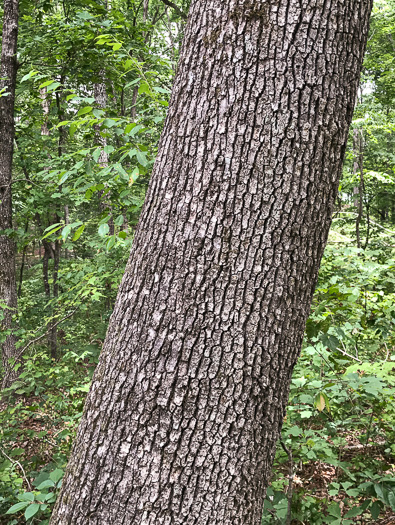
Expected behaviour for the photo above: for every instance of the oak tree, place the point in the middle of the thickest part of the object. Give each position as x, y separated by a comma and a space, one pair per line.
188, 399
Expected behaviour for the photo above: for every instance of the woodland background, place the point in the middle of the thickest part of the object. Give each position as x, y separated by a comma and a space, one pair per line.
93, 87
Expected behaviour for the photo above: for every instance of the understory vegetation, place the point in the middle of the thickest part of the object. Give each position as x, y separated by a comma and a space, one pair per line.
93, 87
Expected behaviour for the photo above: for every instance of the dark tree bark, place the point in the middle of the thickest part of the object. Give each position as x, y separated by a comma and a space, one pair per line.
8, 290
188, 399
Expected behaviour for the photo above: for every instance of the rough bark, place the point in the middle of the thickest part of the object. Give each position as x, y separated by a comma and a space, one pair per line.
101, 101
188, 399
8, 290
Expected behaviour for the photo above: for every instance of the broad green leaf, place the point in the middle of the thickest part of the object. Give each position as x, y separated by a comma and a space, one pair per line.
334, 510
66, 232
26, 496
109, 123
96, 154
84, 111
56, 475
141, 158
53, 86
294, 431
375, 510
46, 484
17, 507
103, 230
45, 84
144, 88
109, 149
84, 15
354, 511
32, 510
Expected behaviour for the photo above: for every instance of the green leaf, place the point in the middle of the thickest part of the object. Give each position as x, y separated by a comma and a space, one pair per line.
109, 123
18, 507
116, 46
96, 154
141, 158
295, 431
53, 86
119, 220
56, 475
330, 341
73, 129
32, 510
109, 149
78, 233
334, 510
354, 511
144, 88
129, 128
66, 232
375, 510
84, 111
54, 230
48, 483
45, 84
103, 230
26, 496
29, 75
135, 130
84, 15
110, 242
161, 90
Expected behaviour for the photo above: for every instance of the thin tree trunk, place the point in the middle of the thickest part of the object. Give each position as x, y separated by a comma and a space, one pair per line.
133, 111
24, 252
188, 399
53, 334
8, 290
358, 166
101, 101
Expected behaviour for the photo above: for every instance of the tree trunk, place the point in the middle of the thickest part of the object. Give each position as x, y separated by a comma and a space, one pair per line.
24, 256
101, 101
358, 166
8, 291
188, 399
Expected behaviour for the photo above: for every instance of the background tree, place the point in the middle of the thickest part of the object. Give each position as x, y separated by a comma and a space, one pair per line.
8, 293
189, 395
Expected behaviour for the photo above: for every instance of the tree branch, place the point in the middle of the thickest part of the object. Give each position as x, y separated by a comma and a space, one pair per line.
176, 8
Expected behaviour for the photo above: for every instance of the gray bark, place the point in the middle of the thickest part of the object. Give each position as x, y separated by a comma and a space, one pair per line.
101, 101
188, 399
8, 290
